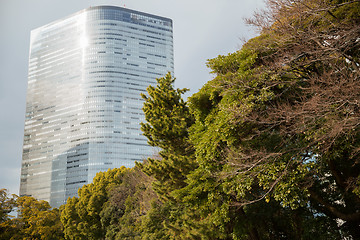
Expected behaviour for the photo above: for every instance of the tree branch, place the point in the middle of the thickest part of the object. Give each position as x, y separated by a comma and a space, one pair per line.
351, 217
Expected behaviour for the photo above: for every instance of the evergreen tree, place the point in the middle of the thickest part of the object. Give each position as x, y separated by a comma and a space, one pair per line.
167, 121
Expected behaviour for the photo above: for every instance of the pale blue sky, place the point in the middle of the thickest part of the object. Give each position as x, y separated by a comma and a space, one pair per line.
203, 29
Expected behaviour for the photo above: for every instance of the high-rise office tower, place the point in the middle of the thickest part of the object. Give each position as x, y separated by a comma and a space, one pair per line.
83, 107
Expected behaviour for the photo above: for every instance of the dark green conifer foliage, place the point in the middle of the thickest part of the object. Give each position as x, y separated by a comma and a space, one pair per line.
167, 122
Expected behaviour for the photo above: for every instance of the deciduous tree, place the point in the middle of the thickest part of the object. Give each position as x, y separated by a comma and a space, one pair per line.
280, 121
81, 216
35, 220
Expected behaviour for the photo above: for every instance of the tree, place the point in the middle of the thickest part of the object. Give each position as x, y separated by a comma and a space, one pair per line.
128, 204
7, 205
36, 220
280, 121
167, 121
81, 216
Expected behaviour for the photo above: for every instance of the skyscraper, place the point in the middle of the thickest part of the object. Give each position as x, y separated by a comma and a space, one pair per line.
83, 107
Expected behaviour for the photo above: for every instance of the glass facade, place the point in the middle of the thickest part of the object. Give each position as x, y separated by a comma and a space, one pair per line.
83, 106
